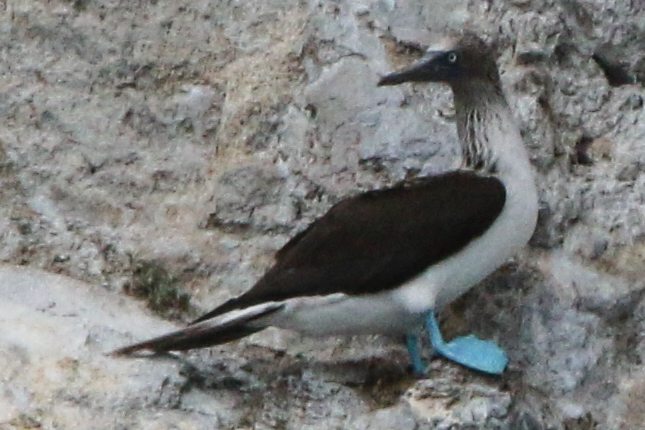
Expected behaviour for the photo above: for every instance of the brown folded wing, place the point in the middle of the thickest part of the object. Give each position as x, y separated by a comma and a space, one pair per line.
377, 240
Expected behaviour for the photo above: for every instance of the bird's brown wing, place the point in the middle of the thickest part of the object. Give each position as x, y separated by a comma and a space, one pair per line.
377, 240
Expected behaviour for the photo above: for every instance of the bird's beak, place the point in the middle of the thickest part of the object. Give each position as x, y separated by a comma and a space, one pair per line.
429, 68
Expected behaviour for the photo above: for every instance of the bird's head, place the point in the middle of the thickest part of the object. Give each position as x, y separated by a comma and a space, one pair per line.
453, 60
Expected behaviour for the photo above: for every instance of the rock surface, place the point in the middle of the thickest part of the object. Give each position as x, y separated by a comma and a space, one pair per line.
167, 149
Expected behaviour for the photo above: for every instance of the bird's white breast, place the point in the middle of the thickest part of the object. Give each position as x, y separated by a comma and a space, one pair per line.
447, 280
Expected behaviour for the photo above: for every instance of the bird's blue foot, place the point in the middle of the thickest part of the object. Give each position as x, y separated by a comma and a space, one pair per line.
469, 351
412, 342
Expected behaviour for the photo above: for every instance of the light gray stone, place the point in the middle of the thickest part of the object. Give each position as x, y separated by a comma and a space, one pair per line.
202, 135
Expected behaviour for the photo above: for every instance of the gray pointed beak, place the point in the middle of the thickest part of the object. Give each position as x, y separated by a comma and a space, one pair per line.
429, 68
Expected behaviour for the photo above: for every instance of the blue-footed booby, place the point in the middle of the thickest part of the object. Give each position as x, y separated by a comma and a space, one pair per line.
384, 261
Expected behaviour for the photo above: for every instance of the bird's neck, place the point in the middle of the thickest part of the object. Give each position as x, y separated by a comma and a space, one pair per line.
490, 139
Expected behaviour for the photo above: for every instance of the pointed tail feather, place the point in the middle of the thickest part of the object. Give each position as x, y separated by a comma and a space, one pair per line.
207, 333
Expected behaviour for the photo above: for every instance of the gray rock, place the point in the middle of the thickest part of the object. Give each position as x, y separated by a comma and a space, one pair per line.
446, 401
202, 135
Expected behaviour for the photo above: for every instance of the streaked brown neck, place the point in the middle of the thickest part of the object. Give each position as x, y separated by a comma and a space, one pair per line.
479, 105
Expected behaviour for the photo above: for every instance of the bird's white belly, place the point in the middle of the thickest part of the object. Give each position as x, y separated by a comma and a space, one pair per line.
447, 280
340, 314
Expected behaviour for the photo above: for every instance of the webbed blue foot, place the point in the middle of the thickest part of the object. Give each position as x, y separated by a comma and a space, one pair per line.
418, 366
469, 351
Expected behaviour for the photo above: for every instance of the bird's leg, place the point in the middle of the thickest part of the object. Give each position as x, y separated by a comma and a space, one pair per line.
418, 366
469, 351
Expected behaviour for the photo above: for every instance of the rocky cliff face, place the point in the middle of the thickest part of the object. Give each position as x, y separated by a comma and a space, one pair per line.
167, 149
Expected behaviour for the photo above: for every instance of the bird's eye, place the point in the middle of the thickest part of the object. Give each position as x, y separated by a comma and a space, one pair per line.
452, 57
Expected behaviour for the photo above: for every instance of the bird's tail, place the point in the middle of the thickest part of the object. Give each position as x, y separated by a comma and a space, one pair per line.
231, 326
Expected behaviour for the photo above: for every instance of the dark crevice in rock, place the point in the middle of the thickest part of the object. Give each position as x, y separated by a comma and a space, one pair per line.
639, 69
564, 53
586, 422
544, 236
616, 72
246, 228
214, 222
530, 58
581, 152
384, 381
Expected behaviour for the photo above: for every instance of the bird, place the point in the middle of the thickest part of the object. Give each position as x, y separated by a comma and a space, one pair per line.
386, 261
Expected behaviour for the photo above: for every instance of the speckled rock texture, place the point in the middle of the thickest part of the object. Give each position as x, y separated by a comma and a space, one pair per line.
165, 150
